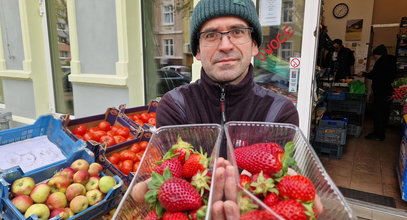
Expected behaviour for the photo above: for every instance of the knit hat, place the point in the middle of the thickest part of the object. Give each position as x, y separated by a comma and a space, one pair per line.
380, 50
209, 9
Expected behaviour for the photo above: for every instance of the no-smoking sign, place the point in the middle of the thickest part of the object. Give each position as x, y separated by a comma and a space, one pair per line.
295, 62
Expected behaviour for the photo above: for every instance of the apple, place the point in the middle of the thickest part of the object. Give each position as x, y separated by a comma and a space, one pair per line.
79, 203
106, 183
22, 202
68, 172
40, 193
80, 164
95, 169
56, 200
94, 196
40, 210
23, 186
63, 213
75, 189
93, 183
70, 212
59, 183
81, 176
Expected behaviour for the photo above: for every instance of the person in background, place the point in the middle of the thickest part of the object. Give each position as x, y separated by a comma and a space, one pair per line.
382, 75
342, 60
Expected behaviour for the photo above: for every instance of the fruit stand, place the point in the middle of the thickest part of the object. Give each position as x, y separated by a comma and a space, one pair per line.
118, 165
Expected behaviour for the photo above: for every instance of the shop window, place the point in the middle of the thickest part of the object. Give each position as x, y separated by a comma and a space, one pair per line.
168, 47
288, 8
168, 12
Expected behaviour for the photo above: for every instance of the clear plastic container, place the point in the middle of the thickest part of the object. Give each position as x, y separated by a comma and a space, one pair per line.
241, 134
207, 136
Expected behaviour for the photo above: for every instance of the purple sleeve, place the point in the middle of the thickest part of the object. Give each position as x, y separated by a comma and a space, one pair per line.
288, 114
169, 112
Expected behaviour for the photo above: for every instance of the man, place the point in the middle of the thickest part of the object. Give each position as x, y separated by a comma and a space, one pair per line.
343, 60
382, 75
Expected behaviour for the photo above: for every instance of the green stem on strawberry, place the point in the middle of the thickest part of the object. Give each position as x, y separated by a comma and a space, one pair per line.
288, 160
201, 181
309, 210
263, 185
246, 204
151, 196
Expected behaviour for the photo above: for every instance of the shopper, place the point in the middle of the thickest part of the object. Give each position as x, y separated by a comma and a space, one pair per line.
382, 75
341, 60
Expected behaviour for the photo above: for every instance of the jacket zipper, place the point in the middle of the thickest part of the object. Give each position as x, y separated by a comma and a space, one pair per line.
222, 104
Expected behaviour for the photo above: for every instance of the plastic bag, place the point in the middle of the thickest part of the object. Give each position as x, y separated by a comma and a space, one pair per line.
357, 87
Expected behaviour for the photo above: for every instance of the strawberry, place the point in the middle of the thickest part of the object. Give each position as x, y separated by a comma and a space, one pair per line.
257, 215
175, 216
196, 162
296, 187
291, 209
246, 204
174, 165
245, 181
182, 149
271, 199
198, 214
152, 215
262, 184
172, 193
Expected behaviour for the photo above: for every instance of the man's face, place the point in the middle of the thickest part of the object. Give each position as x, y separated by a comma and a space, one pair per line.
336, 46
226, 62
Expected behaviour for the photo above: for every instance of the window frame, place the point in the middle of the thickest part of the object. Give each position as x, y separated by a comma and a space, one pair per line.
282, 50
169, 13
170, 47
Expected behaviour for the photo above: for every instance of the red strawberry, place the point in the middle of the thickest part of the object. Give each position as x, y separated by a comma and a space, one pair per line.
196, 162
152, 215
296, 187
174, 165
290, 209
175, 216
183, 149
172, 193
254, 159
245, 181
257, 215
262, 185
271, 199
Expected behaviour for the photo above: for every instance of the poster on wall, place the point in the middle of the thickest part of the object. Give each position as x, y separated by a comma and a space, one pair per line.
354, 30
270, 12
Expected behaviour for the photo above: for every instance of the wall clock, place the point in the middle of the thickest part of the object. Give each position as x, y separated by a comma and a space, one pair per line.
340, 10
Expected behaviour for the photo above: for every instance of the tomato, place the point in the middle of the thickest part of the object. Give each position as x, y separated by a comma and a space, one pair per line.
99, 134
135, 148
114, 128
93, 129
135, 166
104, 126
139, 155
123, 131
152, 115
114, 158
139, 122
119, 165
151, 121
81, 130
136, 117
144, 117
111, 133
128, 155
109, 140
127, 167
79, 137
89, 136
119, 139
143, 144
129, 138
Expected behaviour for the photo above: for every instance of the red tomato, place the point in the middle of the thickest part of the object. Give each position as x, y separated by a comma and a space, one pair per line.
139, 155
109, 140
111, 133
152, 115
144, 117
119, 165
127, 167
123, 131
135, 166
104, 126
93, 129
135, 148
119, 139
114, 158
151, 121
139, 122
129, 138
89, 136
143, 144
99, 134
127, 155
81, 130
114, 128
79, 136
136, 117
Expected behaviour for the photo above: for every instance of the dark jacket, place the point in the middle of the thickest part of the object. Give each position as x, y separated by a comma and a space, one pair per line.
382, 75
200, 102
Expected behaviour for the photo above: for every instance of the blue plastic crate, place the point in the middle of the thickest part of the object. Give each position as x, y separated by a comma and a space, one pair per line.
333, 95
8, 211
331, 151
331, 131
44, 125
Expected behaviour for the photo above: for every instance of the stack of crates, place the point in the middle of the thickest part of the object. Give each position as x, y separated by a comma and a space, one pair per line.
330, 138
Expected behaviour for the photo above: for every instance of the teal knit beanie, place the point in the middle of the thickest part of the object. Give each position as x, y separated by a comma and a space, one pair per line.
209, 9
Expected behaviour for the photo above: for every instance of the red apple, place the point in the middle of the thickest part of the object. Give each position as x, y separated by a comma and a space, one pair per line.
78, 204
95, 169
23, 186
81, 176
73, 190
94, 196
22, 202
59, 183
63, 213
80, 164
40, 193
68, 172
40, 210
56, 200
93, 183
